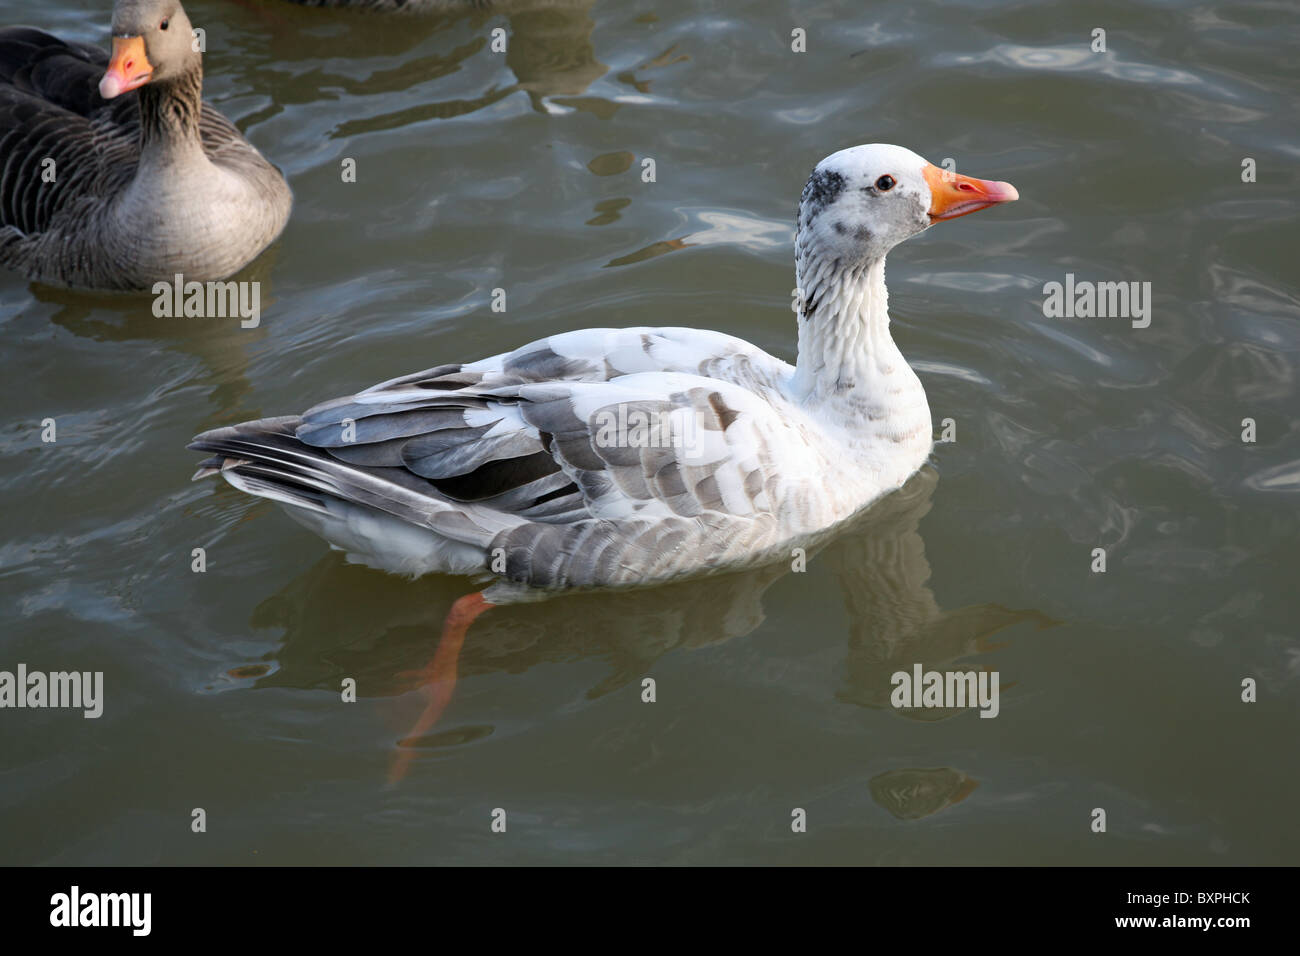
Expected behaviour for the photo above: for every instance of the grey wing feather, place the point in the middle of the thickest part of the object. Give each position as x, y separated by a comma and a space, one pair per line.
502, 454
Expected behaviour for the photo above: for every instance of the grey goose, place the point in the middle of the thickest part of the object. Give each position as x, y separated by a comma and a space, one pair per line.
114, 174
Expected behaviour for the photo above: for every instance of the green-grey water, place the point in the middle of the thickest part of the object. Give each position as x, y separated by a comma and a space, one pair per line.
523, 171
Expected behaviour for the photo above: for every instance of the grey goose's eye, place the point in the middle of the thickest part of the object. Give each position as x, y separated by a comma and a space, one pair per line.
885, 183
165, 24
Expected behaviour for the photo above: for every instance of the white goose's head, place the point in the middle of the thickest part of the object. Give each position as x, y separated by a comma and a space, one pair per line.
861, 202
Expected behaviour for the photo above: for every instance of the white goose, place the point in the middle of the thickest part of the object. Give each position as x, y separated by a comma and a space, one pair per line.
535, 469
543, 452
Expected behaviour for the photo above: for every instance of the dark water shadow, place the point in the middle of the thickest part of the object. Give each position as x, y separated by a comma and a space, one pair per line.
548, 48
343, 620
221, 345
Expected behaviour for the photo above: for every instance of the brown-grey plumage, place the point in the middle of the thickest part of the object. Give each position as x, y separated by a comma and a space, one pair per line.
122, 192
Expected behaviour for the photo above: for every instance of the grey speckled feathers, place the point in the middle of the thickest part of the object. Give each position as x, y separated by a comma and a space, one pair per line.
506, 454
618, 457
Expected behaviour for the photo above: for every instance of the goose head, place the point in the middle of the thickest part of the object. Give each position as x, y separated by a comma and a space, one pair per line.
152, 43
861, 202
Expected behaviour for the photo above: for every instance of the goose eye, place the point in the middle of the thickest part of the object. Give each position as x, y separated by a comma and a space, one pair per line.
164, 24
885, 183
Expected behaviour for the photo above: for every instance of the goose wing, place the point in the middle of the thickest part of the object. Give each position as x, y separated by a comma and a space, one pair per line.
51, 110
563, 431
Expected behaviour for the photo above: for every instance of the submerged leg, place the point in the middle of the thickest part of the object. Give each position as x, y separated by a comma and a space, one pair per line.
440, 675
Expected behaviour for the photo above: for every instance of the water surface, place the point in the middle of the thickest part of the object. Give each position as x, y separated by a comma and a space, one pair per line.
523, 171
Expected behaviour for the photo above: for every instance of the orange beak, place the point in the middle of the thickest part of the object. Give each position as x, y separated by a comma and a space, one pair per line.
128, 69
953, 195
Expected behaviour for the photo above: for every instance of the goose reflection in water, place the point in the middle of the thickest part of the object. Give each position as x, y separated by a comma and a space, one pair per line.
547, 43
344, 621
219, 346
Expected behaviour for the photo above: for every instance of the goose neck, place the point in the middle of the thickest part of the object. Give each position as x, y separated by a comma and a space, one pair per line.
844, 340
169, 118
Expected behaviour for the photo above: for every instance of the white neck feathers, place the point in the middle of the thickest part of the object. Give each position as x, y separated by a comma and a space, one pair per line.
848, 360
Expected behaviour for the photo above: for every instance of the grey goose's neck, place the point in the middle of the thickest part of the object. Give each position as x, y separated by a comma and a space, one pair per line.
169, 117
